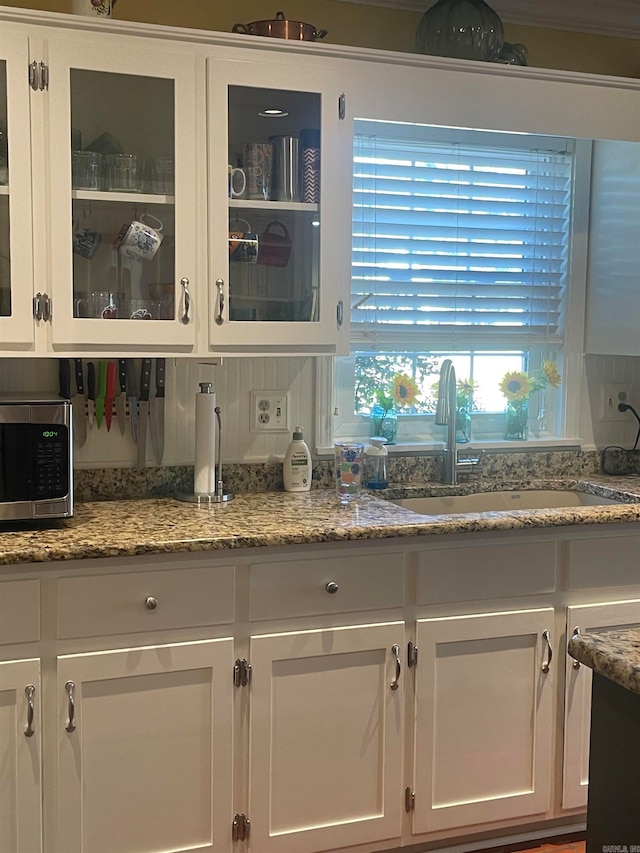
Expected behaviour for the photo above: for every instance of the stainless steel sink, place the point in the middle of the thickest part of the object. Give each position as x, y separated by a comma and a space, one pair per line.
503, 501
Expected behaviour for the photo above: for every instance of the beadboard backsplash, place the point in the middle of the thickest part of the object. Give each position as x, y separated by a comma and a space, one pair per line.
234, 380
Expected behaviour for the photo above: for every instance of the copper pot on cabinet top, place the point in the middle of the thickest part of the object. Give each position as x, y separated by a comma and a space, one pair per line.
280, 28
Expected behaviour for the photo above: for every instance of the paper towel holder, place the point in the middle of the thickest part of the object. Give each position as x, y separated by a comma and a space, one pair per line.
219, 496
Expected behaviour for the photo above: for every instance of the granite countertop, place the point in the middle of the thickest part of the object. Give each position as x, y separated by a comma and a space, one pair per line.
613, 654
165, 525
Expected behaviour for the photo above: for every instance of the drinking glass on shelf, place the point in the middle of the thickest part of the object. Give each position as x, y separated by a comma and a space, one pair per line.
85, 170
121, 173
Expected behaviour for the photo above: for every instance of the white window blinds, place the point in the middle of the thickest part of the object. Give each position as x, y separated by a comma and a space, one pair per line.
458, 240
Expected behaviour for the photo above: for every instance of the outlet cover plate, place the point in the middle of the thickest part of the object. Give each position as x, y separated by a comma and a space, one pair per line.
269, 412
612, 393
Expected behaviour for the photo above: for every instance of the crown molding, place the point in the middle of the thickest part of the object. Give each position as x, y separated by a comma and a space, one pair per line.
603, 17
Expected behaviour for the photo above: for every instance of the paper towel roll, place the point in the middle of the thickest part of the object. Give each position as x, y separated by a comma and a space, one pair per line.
204, 474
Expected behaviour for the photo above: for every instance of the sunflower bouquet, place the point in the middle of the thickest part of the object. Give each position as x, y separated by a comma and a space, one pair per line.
401, 391
518, 387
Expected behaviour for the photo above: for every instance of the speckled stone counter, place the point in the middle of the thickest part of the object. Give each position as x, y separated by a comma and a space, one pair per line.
613, 654
165, 525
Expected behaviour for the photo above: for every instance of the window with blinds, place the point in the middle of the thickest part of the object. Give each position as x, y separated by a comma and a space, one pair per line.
459, 241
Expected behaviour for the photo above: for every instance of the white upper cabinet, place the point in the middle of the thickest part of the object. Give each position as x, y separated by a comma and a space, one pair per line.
278, 248
16, 259
122, 172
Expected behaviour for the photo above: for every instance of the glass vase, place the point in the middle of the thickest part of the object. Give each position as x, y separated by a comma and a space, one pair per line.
464, 29
516, 420
463, 425
384, 423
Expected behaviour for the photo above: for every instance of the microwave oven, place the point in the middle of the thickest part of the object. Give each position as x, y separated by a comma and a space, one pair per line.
36, 459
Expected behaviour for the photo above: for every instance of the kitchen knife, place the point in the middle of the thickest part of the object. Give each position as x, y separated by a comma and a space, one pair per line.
102, 391
110, 392
132, 396
156, 412
64, 378
91, 391
121, 399
145, 382
78, 401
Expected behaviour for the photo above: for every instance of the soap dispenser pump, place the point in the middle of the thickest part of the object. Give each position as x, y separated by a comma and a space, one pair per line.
297, 471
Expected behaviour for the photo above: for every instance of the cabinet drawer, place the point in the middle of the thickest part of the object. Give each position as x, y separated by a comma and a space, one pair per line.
301, 588
486, 571
119, 604
19, 611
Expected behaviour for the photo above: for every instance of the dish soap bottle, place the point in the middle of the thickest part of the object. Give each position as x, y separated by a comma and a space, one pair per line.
375, 464
297, 464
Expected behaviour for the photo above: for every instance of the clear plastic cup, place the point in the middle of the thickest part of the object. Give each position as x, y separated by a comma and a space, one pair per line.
86, 167
121, 173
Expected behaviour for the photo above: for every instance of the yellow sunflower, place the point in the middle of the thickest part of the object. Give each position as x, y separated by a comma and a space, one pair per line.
516, 385
551, 372
404, 390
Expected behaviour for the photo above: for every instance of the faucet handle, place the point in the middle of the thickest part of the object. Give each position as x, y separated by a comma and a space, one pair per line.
469, 461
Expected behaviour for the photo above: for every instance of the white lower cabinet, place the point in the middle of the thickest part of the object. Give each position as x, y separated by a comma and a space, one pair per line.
483, 719
20, 756
577, 705
326, 738
145, 749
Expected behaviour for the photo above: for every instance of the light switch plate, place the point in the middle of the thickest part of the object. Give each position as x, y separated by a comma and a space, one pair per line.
269, 411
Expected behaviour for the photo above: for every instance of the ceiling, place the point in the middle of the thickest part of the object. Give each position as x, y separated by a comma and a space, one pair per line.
605, 17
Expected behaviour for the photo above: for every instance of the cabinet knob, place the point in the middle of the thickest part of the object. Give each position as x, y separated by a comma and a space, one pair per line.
332, 587
150, 602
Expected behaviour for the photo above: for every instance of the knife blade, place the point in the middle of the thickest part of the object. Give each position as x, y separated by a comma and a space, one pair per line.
145, 382
102, 390
110, 393
132, 396
78, 402
121, 399
91, 391
156, 412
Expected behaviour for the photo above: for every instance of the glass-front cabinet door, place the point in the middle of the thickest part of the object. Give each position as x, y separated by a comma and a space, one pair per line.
16, 257
123, 177
274, 147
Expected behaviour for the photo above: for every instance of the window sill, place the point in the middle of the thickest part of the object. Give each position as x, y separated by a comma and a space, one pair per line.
496, 446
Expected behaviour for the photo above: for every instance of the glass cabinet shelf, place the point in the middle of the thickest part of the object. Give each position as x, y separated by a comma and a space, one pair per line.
139, 198
259, 204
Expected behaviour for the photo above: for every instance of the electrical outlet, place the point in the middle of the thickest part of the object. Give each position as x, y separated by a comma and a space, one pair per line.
269, 411
611, 395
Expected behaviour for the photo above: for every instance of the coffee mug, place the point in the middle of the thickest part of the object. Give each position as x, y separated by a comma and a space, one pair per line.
101, 8
237, 182
243, 244
86, 242
257, 161
139, 240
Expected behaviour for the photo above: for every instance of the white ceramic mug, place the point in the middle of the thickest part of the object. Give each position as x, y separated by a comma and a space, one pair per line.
98, 8
139, 240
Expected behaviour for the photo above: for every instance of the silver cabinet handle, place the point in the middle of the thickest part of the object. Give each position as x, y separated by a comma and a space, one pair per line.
186, 314
70, 687
33, 75
340, 313
46, 308
546, 636
219, 316
37, 306
332, 587
29, 690
44, 76
395, 651
576, 633
150, 602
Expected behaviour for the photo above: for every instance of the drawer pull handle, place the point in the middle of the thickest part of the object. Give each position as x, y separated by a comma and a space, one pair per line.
546, 636
150, 602
29, 690
395, 651
332, 587
70, 687
576, 633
